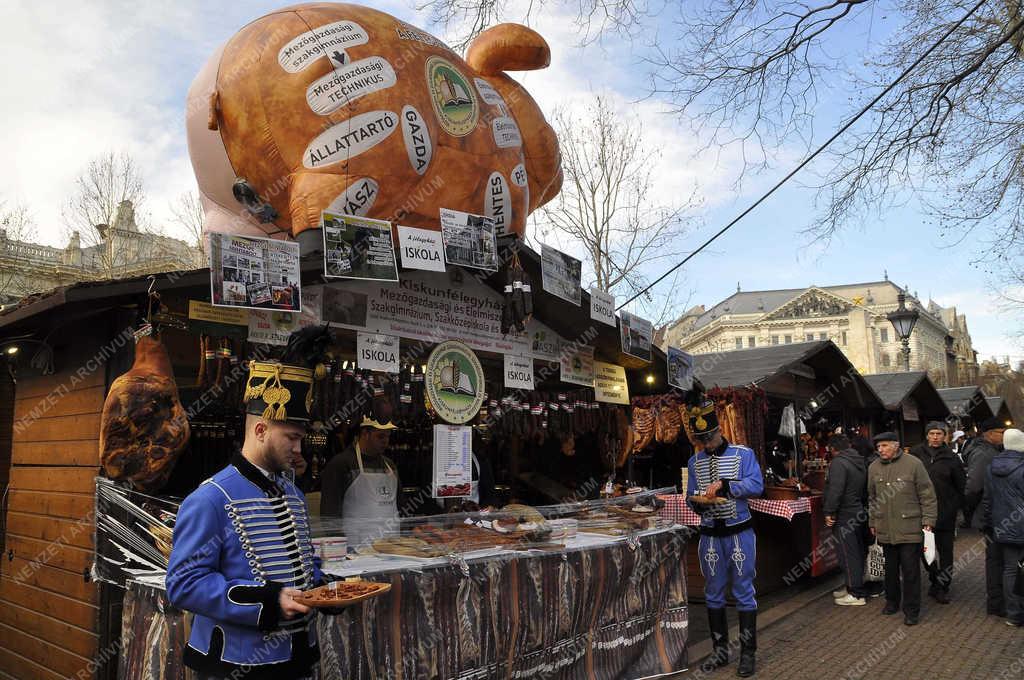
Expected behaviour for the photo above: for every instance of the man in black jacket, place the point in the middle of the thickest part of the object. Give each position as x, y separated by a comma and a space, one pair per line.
984, 449
845, 492
948, 479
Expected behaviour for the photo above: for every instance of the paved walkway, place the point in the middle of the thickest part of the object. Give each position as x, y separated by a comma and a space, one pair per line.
956, 641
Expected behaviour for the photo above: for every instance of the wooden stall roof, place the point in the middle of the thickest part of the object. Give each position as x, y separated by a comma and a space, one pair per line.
894, 388
762, 366
967, 401
568, 320
1000, 409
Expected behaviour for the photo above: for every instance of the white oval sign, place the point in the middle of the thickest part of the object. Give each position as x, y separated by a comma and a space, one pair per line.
506, 132
348, 83
519, 175
417, 139
305, 48
489, 94
349, 138
498, 203
357, 199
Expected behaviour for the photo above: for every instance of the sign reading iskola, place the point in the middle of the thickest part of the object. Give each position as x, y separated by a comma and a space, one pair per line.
377, 352
421, 249
602, 306
518, 372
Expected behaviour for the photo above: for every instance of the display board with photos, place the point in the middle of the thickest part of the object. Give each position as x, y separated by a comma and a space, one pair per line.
680, 368
358, 248
469, 240
256, 273
560, 274
636, 334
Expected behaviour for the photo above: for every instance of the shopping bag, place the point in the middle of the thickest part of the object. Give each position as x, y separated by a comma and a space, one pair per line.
1018, 586
874, 566
929, 547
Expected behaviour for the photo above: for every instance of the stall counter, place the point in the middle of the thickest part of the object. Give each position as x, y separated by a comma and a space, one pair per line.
603, 607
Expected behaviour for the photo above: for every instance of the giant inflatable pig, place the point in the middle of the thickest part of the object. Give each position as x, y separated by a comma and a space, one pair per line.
344, 108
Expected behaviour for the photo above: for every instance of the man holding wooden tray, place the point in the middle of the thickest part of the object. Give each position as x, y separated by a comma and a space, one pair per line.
242, 551
719, 480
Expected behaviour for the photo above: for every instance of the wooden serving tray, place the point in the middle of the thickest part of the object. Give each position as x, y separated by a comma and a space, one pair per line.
320, 597
708, 500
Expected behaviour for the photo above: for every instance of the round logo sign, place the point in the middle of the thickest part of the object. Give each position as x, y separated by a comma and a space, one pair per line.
455, 382
453, 97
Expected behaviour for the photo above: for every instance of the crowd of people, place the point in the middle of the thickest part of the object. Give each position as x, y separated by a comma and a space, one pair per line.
908, 499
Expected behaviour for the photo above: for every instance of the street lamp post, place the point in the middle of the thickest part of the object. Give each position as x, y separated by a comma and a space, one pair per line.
903, 321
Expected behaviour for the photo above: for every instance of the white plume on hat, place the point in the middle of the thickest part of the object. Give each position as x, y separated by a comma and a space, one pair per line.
1013, 440
958, 434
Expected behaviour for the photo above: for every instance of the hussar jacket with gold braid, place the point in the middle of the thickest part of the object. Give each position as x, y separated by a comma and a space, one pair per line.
238, 540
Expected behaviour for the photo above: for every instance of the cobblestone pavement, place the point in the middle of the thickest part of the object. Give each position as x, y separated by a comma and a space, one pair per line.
956, 641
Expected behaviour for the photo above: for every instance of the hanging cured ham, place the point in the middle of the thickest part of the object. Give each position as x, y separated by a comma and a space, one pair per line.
144, 428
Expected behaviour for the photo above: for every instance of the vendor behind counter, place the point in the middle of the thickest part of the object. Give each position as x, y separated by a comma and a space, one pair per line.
361, 484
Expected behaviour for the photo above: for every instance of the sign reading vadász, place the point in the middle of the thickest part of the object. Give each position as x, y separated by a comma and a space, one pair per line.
429, 306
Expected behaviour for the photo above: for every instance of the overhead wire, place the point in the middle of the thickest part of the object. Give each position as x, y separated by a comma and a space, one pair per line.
842, 129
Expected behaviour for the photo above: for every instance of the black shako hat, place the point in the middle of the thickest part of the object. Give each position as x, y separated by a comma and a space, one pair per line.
283, 390
703, 419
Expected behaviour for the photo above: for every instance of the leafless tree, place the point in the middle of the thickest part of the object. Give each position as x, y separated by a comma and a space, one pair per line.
757, 74
608, 207
188, 213
948, 134
593, 18
17, 226
107, 183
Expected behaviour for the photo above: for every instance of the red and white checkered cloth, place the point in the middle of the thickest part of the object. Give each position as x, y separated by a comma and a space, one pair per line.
676, 509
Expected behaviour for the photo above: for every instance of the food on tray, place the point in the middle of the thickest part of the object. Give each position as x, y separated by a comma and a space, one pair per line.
524, 513
342, 593
707, 500
406, 547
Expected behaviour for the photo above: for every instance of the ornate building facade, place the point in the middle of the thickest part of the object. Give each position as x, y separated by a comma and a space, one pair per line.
123, 250
852, 316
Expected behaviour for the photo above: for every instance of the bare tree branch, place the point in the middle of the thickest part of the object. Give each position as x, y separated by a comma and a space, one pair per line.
188, 213
607, 204
16, 226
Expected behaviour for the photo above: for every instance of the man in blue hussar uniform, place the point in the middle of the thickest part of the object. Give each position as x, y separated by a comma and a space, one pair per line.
727, 547
242, 547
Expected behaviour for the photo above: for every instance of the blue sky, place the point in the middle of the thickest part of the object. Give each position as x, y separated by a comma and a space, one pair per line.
89, 77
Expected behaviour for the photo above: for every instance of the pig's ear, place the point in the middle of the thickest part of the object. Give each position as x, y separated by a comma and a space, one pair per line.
508, 47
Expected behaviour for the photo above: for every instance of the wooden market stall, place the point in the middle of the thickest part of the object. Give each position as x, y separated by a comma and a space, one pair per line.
1001, 410
56, 620
967, 405
816, 382
912, 400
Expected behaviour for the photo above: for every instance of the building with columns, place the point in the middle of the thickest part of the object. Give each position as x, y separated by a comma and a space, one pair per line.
122, 250
853, 316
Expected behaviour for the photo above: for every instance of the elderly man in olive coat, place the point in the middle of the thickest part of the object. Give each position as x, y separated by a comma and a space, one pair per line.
901, 505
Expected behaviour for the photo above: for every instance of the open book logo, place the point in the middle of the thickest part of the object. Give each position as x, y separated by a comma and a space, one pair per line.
454, 99
455, 382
